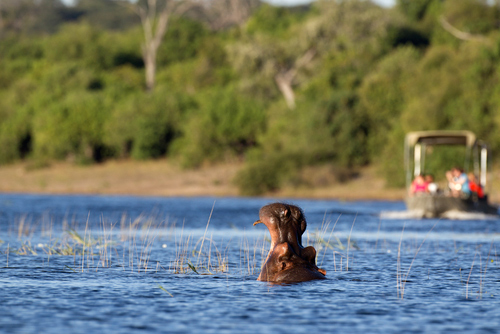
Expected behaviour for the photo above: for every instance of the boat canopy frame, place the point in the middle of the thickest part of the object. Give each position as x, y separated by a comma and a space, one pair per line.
416, 143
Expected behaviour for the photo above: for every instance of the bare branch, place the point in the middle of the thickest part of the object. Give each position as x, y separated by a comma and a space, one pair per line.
285, 86
284, 78
161, 27
458, 33
154, 20
130, 6
226, 13
306, 58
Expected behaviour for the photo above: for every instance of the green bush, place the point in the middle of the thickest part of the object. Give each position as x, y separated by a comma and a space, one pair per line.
375, 74
382, 96
145, 125
183, 41
73, 126
225, 124
265, 173
80, 43
275, 20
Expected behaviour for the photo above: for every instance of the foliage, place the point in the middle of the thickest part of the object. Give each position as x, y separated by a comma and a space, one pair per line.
225, 124
72, 86
109, 14
472, 16
183, 41
275, 20
414, 9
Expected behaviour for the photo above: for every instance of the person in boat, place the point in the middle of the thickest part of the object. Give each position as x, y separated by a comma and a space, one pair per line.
432, 186
458, 182
418, 186
474, 186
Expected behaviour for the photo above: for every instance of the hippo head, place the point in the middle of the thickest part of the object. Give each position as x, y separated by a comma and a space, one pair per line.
288, 261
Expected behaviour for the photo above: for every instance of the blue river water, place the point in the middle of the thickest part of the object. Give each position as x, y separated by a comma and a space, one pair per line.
121, 264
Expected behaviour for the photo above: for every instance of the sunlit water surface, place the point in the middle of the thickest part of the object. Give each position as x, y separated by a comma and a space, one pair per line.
143, 265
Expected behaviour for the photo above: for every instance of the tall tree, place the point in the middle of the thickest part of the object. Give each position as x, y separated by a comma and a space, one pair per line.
223, 14
155, 16
286, 75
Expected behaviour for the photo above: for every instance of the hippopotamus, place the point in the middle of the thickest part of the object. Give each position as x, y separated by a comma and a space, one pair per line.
288, 261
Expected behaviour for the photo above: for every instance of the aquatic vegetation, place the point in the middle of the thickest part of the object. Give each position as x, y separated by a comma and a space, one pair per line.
162, 288
125, 271
129, 247
25, 249
149, 244
133, 244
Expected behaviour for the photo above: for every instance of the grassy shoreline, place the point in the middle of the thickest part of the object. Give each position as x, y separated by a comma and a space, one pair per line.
164, 178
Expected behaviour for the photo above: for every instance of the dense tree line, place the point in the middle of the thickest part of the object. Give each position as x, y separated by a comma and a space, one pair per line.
336, 83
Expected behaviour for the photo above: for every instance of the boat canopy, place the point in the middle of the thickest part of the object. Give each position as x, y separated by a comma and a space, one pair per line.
415, 143
429, 138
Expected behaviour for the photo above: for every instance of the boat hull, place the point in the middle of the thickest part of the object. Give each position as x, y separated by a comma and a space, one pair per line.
432, 206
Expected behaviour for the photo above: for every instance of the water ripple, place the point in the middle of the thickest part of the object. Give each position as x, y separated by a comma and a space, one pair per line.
390, 280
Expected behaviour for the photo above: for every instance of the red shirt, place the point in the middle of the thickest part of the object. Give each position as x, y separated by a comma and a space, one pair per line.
474, 187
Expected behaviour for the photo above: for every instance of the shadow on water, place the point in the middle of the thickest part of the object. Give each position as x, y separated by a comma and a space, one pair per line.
121, 264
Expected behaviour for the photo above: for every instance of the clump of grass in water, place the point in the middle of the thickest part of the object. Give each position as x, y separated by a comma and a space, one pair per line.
482, 272
25, 249
321, 244
401, 283
135, 239
204, 265
184, 262
93, 252
249, 255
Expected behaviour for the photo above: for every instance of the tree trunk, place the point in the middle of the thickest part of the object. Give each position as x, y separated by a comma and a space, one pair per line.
465, 36
155, 24
149, 51
284, 81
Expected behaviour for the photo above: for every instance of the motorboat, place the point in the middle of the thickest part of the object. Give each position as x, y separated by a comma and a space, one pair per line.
440, 200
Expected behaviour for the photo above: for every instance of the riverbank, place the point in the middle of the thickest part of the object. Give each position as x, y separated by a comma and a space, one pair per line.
164, 178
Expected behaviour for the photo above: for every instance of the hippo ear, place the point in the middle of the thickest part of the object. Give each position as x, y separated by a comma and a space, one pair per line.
309, 254
303, 226
285, 213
